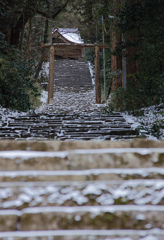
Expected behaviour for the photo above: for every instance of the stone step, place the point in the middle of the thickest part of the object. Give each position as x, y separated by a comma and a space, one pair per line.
7, 135
76, 217
49, 146
96, 138
69, 119
74, 129
97, 132
93, 138
82, 159
96, 116
82, 175
55, 126
82, 234
20, 195
61, 135
73, 81
68, 131
14, 128
47, 187
22, 125
72, 73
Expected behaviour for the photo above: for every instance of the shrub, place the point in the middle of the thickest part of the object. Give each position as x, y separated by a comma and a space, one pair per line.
16, 81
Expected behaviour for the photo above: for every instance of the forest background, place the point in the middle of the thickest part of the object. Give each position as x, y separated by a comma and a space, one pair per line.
136, 26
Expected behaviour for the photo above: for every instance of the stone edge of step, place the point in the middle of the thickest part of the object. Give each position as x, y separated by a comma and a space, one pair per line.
84, 232
62, 154
96, 171
91, 209
54, 145
144, 182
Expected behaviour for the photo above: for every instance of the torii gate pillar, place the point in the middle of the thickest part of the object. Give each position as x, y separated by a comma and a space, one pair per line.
51, 76
52, 67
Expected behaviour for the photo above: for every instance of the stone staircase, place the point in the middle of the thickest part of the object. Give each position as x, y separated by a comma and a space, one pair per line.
62, 190
74, 114
72, 74
69, 126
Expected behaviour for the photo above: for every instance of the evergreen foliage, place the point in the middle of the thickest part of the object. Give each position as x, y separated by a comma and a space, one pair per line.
142, 22
24, 25
17, 87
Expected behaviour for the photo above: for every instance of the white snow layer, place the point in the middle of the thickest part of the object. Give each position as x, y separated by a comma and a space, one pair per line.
105, 193
73, 37
151, 116
63, 154
141, 233
90, 209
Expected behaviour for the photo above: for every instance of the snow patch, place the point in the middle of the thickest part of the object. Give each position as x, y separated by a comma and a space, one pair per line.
105, 199
149, 238
140, 217
5, 193
31, 154
85, 233
140, 171
91, 189
71, 36
149, 123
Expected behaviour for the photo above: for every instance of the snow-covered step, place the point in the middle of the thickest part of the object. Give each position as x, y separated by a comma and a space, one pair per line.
82, 159
56, 126
99, 133
46, 122
49, 146
79, 217
6, 145
74, 127
147, 234
103, 186
83, 175
72, 74
18, 195
96, 138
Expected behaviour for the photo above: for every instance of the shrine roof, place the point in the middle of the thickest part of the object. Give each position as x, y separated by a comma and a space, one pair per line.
68, 35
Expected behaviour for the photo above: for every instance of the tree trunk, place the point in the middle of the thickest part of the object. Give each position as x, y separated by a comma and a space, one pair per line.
28, 12
46, 31
97, 76
21, 39
28, 38
43, 51
16, 25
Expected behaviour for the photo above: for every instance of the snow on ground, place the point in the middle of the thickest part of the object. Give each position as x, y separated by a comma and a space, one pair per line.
91, 69
68, 101
138, 192
45, 70
6, 113
150, 121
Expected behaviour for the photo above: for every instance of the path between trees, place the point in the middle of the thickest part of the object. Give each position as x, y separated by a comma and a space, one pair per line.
74, 114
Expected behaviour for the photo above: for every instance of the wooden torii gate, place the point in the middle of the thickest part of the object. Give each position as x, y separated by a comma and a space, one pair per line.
56, 47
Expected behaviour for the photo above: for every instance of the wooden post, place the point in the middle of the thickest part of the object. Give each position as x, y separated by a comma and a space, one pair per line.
51, 76
97, 76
